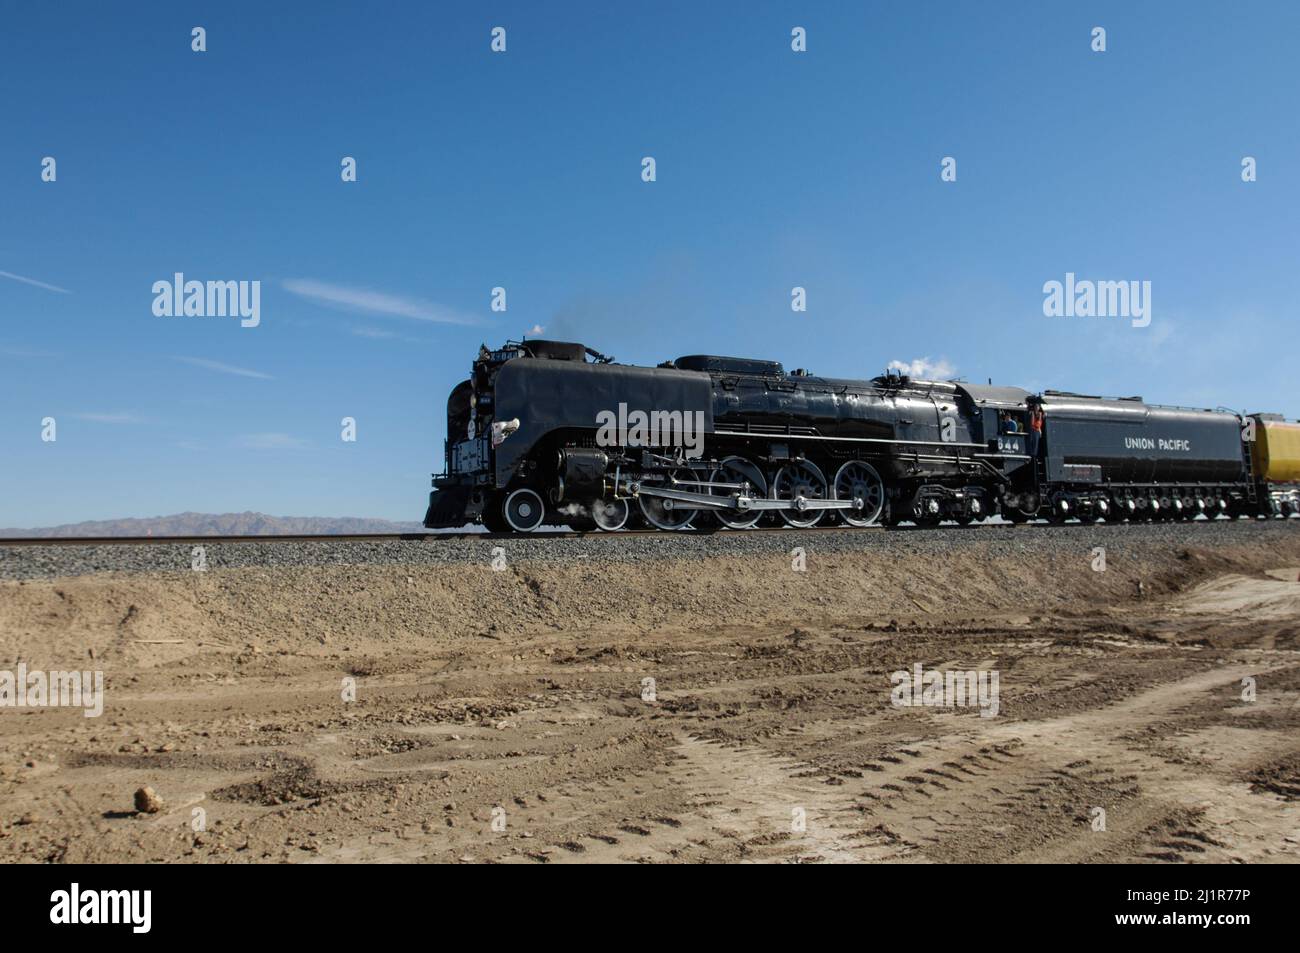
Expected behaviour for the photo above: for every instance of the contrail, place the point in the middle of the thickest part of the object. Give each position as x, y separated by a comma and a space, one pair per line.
33, 281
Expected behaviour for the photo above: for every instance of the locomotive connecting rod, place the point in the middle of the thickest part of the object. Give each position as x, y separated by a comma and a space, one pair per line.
740, 501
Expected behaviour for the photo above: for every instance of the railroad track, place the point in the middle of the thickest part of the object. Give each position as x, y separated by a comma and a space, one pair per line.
272, 538
547, 534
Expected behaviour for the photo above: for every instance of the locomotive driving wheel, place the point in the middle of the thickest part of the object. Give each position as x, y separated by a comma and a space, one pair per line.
800, 480
610, 515
859, 482
665, 513
738, 470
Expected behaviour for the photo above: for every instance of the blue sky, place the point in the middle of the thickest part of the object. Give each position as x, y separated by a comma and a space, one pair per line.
522, 170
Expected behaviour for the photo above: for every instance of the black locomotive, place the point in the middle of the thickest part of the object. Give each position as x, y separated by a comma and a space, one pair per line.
548, 432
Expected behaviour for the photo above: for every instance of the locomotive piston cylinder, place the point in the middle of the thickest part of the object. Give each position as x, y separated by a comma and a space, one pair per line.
582, 473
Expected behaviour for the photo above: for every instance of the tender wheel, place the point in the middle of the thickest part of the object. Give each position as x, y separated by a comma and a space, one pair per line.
610, 515
800, 479
1024, 510
668, 514
859, 481
738, 470
524, 510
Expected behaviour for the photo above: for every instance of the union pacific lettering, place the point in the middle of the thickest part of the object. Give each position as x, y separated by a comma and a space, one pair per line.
1160, 443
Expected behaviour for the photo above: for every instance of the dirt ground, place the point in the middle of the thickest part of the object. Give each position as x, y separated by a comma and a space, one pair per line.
505, 716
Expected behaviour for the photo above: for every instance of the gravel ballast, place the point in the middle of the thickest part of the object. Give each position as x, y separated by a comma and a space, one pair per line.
35, 561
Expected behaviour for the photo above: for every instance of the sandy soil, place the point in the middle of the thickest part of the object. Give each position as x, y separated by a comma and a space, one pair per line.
504, 716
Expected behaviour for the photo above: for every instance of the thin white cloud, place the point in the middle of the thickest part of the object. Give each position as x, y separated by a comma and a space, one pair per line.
225, 368
536, 329
272, 441
32, 281
379, 334
925, 369
101, 418
25, 352
374, 302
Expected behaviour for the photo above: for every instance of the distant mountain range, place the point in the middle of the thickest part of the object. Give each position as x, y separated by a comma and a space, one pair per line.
218, 524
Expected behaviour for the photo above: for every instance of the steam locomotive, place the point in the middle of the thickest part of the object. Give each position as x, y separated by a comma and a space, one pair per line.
555, 433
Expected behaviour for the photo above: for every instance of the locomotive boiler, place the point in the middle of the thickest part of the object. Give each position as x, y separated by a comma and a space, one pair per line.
555, 433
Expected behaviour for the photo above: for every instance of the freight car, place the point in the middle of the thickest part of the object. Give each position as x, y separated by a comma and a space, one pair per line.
554, 433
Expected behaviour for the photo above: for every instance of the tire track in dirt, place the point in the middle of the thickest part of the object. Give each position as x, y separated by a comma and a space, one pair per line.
952, 796
744, 804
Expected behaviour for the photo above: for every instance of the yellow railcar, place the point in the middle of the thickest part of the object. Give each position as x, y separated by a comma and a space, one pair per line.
1275, 452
